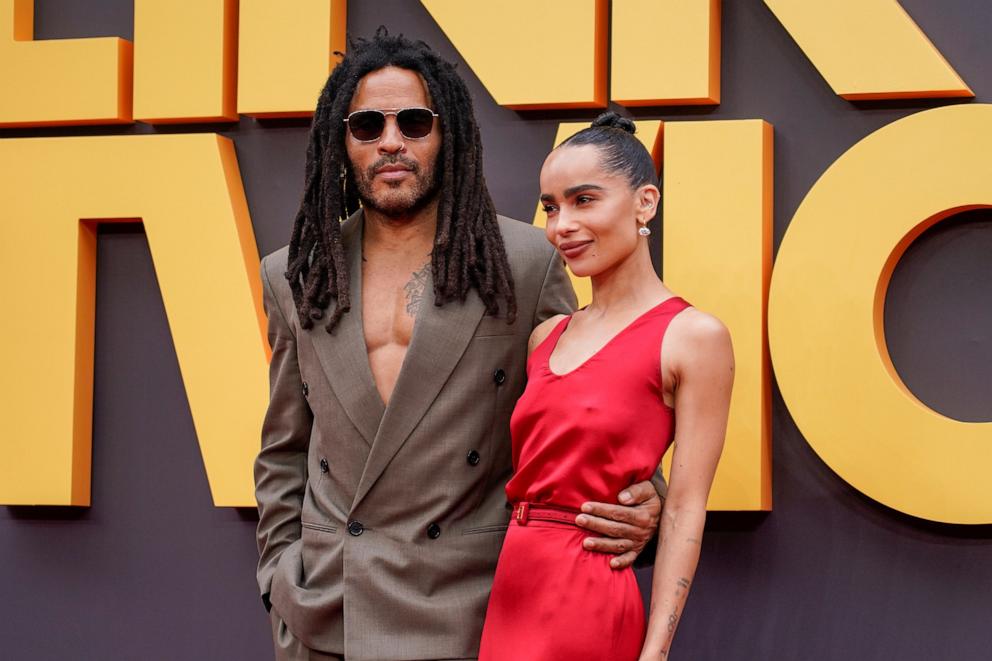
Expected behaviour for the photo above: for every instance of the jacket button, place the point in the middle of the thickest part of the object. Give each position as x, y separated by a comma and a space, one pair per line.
306, 389
499, 376
323, 465
433, 531
355, 528
473, 458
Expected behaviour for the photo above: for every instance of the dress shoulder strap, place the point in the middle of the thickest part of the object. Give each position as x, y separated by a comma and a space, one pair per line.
551, 339
644, 344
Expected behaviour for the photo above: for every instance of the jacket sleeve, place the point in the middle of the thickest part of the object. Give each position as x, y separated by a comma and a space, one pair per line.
660, 485
281, 465
557, 295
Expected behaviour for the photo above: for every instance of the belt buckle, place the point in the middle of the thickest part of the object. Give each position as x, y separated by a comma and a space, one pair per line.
523, 513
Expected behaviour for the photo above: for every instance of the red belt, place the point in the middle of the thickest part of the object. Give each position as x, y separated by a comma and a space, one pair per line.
524, 512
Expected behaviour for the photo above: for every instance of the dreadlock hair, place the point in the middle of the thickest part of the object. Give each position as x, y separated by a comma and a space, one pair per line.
468, 248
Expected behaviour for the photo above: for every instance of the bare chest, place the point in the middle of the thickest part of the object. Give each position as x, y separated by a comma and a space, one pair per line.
388, 310
391, 297
580, 343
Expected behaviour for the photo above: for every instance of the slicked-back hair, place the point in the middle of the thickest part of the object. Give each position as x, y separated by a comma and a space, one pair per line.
620, 152
468, 251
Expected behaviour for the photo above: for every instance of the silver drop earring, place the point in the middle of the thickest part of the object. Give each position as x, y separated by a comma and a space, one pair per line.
643, 230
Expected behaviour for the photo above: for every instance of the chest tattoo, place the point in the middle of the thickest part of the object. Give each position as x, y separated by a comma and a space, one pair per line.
415, 288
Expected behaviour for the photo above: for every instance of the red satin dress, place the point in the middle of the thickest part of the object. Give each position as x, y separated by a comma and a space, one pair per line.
582, 436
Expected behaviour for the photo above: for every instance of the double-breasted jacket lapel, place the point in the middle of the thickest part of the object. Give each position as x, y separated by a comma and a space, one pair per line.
440, 337
342, 354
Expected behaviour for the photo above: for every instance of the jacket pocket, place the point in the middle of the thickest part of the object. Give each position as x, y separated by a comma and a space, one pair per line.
319, 527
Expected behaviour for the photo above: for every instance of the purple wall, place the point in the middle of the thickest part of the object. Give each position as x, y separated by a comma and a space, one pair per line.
153, 571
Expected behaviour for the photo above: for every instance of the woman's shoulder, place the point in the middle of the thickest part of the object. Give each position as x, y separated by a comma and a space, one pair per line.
542, 330
699, 324
694, 335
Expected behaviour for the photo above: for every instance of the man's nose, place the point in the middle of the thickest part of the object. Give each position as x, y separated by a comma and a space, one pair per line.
392, 140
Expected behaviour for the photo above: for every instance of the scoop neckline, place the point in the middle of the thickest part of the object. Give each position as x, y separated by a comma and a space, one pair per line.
564, 326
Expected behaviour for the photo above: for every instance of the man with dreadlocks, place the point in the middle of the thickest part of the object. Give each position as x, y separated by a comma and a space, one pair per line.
399, 334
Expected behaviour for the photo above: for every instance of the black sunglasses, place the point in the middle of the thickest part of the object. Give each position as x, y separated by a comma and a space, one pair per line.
368, 125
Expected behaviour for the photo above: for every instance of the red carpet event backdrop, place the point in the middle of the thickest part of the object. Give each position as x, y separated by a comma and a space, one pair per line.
826, 192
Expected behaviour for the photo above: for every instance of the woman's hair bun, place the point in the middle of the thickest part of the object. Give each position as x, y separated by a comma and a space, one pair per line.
614, 121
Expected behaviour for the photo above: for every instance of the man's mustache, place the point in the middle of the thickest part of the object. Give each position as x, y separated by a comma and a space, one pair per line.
392, 160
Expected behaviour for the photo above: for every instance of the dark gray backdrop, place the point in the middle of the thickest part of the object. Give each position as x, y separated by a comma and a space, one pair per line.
153, 571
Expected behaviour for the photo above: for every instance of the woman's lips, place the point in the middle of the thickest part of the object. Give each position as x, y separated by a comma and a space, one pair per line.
572, 249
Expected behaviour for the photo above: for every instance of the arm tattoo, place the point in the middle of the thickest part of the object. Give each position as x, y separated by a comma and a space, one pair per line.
415, 288
673, 619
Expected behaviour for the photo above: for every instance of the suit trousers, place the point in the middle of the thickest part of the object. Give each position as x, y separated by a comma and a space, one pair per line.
289, 648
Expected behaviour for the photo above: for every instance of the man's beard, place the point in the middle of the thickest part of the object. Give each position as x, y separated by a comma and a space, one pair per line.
398, 205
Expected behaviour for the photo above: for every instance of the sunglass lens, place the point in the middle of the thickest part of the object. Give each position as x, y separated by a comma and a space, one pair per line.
367, 124
415, 122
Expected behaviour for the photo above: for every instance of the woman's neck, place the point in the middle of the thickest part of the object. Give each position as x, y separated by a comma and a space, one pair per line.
629, 285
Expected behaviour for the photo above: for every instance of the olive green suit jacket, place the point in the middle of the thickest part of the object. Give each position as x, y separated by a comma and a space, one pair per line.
380, 527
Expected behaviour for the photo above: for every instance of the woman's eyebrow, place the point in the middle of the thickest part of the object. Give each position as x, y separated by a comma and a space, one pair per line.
581, 188
572, 191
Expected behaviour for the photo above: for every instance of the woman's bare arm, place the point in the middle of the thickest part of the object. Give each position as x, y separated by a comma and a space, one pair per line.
702, 361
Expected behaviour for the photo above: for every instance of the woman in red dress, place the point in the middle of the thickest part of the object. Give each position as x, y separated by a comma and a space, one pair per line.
605, 387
